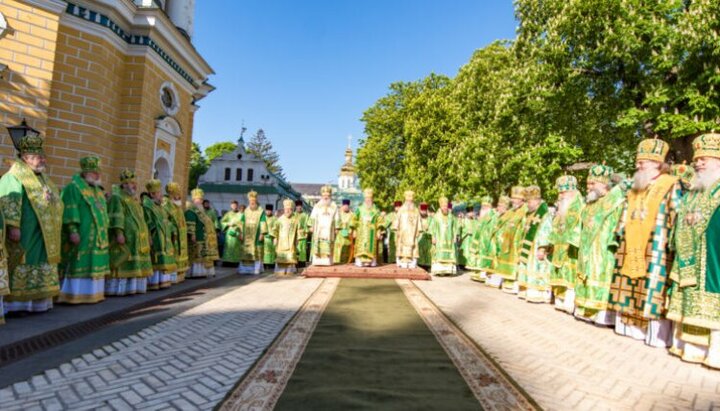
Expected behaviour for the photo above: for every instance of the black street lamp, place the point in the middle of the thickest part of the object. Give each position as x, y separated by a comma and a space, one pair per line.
18, 132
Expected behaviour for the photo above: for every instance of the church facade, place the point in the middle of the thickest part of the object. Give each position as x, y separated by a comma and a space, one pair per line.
119, 79
233, 175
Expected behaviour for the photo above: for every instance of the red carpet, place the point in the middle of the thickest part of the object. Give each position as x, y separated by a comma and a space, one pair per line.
387, 271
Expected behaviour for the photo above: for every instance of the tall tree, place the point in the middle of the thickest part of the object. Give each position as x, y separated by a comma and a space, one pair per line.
198, 166
261, 147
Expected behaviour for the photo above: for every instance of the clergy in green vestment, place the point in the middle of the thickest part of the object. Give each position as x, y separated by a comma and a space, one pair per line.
269, 244
344, 234
286, 231
534, 267
231, 225
390, 233
598, 243
212, 213
507, 241
254, 229
322, 225
86, 257
33, 213
162, 244
444, 230
130, 265
565, 240
173, 205
302, 245
695, 299
480, 250
202, 241
367, 231
425, 240
466, 231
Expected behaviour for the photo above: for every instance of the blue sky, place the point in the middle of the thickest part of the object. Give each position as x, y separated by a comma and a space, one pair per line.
305, 71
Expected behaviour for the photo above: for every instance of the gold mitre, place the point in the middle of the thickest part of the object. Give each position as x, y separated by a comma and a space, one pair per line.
368, 192
443, 201
153, 186
653, 149
706, 145
197, 194
504, 201
517, 192
533, 193
326, 190
173, 189
409, 195
252, 195
288, 203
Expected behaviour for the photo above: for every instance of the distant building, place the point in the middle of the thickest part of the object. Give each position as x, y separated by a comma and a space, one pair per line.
348, 185
233, 175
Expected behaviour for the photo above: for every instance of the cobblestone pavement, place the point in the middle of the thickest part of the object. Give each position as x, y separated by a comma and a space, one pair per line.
564, 363
187, 362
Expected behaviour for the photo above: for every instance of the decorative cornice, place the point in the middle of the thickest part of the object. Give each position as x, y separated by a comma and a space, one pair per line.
129, 38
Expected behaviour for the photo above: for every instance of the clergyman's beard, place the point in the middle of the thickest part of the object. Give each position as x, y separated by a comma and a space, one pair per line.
93, 182
130, 191
562, 206
177, 203
38, 169
593, 196
705, 179
642, 179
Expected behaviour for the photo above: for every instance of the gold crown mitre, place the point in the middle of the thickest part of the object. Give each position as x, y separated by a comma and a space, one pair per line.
566, 183
600, 173
409, 195
287, 203
653, 149
486, 201
252, 195
706, 145
153, 186
31, 144
443, 201
90, 164
173, 189
326, 190
368, 192
504, 201
127, 176
533, 193
517, 192
197, 194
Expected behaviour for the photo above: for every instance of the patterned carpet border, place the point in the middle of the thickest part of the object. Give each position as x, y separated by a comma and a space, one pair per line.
491, 386
263, 385
386, 271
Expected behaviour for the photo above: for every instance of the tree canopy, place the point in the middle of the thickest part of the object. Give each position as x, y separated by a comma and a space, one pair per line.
583, 81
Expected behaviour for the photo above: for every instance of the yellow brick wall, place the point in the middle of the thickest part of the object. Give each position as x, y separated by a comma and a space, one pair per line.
86, 97
29, 53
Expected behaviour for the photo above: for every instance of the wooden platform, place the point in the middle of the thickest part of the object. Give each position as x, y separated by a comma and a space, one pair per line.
387, 271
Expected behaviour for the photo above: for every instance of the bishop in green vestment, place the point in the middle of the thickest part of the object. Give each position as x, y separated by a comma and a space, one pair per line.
254, 229
231, 224
507, 242
302, 245
695, 299
269, 243
286, 231
86, 256
130, 265
162, 244
444, 230
202, 241
345, 233
425, 240
565, 240
407, 228
367, 231
481, 240
533, 270
174, 208
322, 225
4, 278
390, 233
33, 213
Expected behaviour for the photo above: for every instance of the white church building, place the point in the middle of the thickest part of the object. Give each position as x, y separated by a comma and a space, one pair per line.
233, 175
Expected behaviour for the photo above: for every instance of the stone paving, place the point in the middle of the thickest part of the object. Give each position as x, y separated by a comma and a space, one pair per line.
187, 362
566, 364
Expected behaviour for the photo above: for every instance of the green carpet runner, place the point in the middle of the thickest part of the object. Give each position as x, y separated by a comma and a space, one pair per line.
371, 350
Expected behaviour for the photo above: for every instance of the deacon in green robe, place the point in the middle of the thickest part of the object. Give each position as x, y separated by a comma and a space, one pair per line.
507, 241
367, 232
480, 250
286, 231
444, 230
231, 224
33, 214
344, 234
534, 267
130, 265
302, 245
695, 301
86, 257
565, 240
425, 240
4, 278
174, 208
598, 243
162, 244
202, 241
269, 243
254, 229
